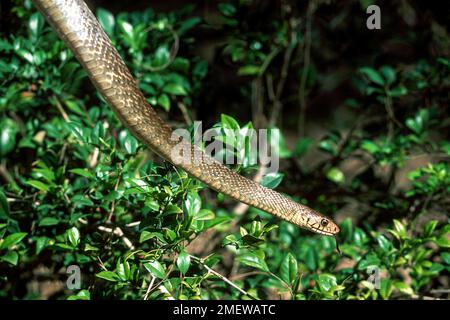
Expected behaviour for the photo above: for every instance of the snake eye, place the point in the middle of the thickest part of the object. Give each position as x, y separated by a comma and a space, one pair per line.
324, 222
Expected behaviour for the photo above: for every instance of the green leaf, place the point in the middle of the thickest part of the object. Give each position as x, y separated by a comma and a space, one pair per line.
347, 230
128, 142
372, 75
446, 257
162, 56
400, 228
443, 241
336, 175
384, 243
289, 269
272, 180
371, 259
229, 122
98, 133
11, 257
429, 228
403, 288
123, 270
398, 91
41, 243
126, 29
108, 275
26, 55
248, 70
311, 258
106, 19
180, 64
35, 24
74, 236
156, 269
388, 73
172, 209
417, 124
82, 172
38, 185
82, 295
183, 262
12, 239
326, 281
146, 235
227, 9
251, 240
8, 132
75, 107
192, 203
254, 259
48, 221
302, 146
164, 101
175, 89
152, 204
328, 146
204, 214
386, 288
370, 146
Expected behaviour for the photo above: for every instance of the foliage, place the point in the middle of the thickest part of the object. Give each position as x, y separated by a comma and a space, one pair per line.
79, 189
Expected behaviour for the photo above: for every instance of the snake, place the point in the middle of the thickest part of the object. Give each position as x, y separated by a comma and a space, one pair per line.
79, 29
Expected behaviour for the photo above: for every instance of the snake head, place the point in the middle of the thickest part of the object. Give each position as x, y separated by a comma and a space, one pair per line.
321, 224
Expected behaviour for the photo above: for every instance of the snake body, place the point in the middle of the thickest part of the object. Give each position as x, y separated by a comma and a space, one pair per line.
79, 29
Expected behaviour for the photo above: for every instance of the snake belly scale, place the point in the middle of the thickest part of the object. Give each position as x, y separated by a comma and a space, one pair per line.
79, 29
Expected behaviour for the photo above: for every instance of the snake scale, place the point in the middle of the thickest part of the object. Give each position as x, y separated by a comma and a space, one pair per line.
79, 29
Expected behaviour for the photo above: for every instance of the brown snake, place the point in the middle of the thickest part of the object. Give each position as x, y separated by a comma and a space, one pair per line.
82, 33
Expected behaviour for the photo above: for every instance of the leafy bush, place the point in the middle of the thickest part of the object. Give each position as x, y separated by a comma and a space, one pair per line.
79, 190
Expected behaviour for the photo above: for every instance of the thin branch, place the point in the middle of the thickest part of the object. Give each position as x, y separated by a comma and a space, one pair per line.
149, 288
276, 103
61, 109
223, 278
118, 232
113, 203
185, 113
306, 63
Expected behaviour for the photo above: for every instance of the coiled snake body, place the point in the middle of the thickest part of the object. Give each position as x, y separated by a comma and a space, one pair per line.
80, 30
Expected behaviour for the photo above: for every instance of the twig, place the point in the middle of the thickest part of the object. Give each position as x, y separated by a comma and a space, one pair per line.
118, 232
164, 290
417, 297
93, 158
277, 105
132, 224
159, 285
244, 275
113, 203
61, 109
223, 278
185, 113
5, 174
149, 288
437, 291
306, 63
173, 50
